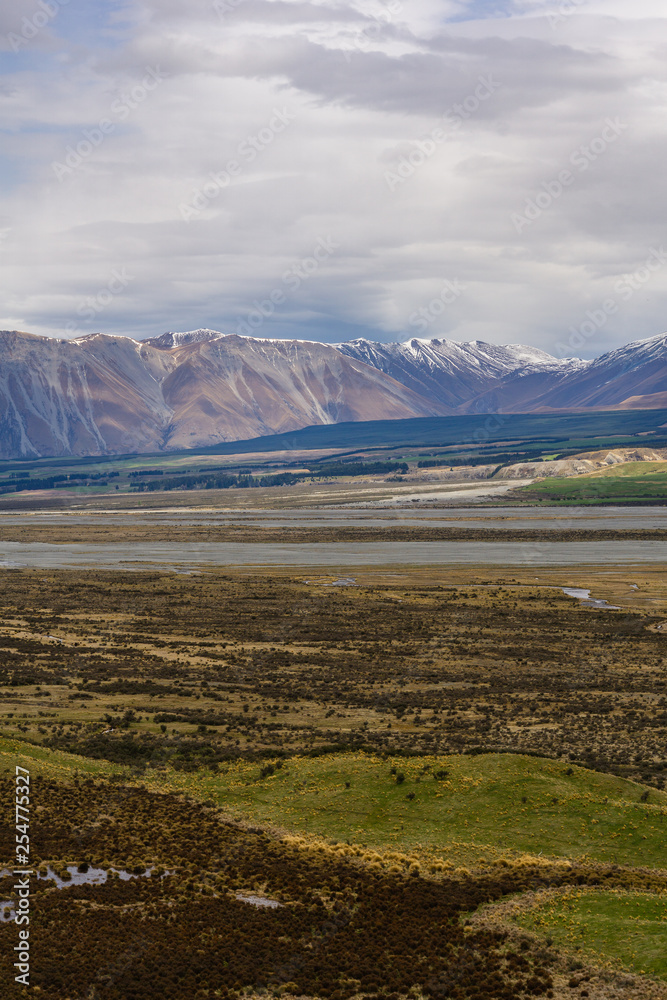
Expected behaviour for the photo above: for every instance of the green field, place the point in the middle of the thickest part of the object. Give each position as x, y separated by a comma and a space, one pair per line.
625, 928
473, 813
630, 482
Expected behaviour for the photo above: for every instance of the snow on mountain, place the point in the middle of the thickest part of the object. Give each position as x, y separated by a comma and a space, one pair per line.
540, 359
451, 372
101, 394
168, 341
631, 376
451, 355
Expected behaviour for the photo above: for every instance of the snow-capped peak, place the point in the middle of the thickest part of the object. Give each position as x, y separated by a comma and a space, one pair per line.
170, 340
532, 354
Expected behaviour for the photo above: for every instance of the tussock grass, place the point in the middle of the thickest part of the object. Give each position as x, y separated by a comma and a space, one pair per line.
620, 928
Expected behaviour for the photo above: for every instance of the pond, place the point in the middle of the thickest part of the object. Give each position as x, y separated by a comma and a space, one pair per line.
91, 876
584, 597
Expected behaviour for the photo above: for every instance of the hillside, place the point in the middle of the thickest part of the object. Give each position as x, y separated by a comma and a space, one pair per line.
105, 395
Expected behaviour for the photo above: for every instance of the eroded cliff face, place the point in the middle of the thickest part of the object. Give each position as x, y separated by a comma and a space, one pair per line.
88, 397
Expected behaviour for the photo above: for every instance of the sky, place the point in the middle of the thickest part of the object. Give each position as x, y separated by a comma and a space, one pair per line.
326, 170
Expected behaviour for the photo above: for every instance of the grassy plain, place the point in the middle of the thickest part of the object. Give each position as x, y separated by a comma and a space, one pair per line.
630, 482
217, 667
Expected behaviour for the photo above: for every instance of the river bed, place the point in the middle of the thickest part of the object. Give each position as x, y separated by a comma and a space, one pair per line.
196, 556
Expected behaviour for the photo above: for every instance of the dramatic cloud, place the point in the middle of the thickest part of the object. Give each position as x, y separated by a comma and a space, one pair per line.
173, 165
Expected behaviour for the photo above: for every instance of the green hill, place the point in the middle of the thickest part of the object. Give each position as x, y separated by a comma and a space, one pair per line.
461, 809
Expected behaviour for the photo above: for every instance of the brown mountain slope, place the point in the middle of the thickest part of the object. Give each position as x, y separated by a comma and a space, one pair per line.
103, 394
62, 397
233, 387
106, 394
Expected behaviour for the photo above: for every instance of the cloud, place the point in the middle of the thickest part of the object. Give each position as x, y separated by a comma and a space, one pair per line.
207, 150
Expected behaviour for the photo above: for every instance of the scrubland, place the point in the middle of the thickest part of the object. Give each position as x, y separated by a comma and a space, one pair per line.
451, 780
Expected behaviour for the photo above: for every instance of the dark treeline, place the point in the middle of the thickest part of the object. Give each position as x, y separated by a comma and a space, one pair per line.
58, 481
503, 459
217, 482
360, 468
206, 481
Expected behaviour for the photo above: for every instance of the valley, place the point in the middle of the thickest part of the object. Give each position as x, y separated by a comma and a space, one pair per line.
333, 500
379, 683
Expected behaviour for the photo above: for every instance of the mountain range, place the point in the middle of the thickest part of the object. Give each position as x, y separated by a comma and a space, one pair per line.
103, 394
